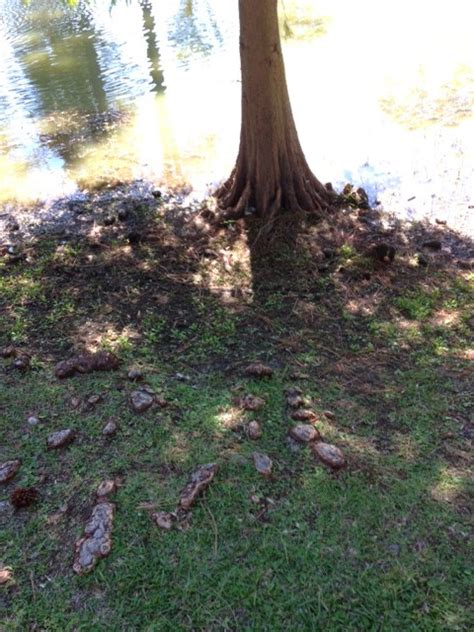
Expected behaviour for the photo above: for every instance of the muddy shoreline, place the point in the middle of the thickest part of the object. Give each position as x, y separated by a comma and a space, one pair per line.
121, 207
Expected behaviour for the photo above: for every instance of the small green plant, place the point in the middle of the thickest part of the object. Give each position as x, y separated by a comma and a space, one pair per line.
60, 309
153, 327
275, 300
21, 324
346, 251
417, 306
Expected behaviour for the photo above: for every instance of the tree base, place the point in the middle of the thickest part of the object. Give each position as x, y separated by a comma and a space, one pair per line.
297, 191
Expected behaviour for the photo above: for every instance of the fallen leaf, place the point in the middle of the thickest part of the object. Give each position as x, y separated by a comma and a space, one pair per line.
199, 481
304, 414
86, 363
60, 438
329, 454
257, 369
254, 430
97, 539
251, 402
9, 469
6, 574
304, 433
105, 488
163, 519
263, 463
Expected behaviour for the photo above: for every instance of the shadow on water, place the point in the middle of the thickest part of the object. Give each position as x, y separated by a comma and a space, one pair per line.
153, 52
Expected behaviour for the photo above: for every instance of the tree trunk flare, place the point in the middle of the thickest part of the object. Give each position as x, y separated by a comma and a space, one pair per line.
271, 172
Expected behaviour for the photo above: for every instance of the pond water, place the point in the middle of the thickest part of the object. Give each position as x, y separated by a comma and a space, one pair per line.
100, 90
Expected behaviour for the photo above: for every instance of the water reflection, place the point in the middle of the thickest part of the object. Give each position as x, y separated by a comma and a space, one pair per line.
151, 89
56, 48
190, 28
27, 164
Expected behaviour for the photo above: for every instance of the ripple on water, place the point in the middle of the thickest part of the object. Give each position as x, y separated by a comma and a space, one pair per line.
394, 119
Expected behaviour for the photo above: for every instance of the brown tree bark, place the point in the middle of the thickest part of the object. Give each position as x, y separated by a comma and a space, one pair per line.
271, 172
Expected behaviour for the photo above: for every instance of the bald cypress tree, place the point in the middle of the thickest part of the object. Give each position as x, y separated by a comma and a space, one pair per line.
271, 172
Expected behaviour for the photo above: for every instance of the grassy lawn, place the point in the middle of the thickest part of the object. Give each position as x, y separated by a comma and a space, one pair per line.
382, 544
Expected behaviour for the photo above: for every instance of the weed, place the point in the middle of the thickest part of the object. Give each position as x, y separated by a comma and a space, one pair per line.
418, 306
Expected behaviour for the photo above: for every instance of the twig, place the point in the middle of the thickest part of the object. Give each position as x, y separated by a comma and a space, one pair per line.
33, 589
214, 528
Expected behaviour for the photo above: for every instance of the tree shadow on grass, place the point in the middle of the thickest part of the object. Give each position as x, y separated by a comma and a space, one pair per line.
384, 346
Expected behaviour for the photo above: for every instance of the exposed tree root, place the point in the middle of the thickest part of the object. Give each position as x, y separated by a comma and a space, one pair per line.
294, 190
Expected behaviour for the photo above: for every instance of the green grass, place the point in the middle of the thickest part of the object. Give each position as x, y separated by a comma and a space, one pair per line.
346, 551
381, 545
418, 305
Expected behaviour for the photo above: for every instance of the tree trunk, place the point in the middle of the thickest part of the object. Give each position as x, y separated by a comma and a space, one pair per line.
271, 172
